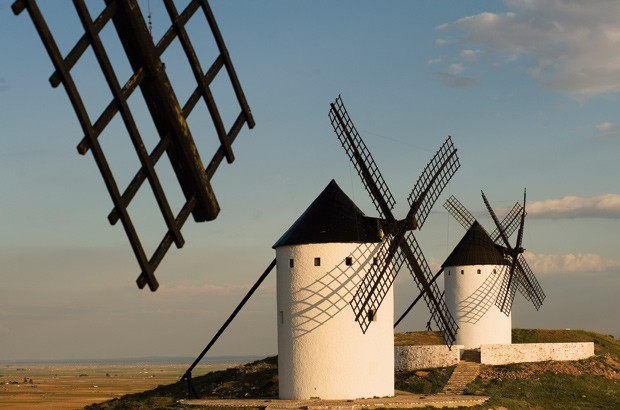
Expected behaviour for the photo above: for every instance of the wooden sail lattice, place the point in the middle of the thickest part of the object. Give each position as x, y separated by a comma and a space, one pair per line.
168, 115
399, 245
518, 275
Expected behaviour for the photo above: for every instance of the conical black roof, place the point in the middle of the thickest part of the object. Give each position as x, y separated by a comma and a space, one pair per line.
331, 218
476, 248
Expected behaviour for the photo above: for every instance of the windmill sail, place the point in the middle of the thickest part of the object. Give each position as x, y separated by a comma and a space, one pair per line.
433, 180
362, 159
510, 223
399, 245
377, 282
519, 276
168, 115
459, 212
426, 283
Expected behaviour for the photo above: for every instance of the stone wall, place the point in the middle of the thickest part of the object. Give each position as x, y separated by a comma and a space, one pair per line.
424, 357
534, 352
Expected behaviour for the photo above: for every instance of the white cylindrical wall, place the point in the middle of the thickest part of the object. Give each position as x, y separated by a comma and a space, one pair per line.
322, 351
470, 293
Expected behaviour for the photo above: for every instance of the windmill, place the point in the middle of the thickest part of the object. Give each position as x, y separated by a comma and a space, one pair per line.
169, 117
399, 245
485, 270
519, 275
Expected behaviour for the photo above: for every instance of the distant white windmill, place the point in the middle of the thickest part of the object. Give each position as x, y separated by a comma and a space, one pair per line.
482, 275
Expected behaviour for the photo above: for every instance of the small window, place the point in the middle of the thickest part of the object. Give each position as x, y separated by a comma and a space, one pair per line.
348, 261
494, 271
372, 315
281, 317
317, 261
291, 263
448, 273
479, 272
374, 260
462, 272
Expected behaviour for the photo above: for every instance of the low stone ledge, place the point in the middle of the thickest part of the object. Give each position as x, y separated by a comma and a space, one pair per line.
408, 358
497, 354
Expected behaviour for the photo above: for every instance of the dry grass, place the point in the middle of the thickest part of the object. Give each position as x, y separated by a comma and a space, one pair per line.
75, 386
418, 338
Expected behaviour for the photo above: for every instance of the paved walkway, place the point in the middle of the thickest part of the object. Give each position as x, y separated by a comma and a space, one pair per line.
401, 400
464, 373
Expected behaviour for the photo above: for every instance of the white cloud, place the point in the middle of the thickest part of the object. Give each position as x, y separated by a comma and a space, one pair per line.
455, 81
601, 206
470, 55
550, 264
607, 129
543, 264
455, 68
574, 46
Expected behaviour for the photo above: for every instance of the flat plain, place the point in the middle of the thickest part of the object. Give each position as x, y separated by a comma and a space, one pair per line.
73, 386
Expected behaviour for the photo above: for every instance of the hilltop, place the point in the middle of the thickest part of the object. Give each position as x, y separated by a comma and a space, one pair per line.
590, 383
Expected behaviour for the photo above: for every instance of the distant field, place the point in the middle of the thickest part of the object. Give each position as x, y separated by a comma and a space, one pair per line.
590, 383
61, 386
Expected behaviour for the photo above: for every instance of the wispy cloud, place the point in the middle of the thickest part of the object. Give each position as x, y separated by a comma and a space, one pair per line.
607, 129
455, 69
470, 55
455, 81
574, 48
544, 264
601, 206
552, 264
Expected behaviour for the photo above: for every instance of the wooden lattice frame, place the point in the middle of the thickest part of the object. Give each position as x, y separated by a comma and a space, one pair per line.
169, 117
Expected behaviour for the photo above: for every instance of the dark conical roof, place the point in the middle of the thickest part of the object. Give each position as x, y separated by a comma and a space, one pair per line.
331, 218
476, 248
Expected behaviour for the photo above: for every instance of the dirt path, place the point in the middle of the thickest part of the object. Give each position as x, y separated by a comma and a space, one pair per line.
401, 400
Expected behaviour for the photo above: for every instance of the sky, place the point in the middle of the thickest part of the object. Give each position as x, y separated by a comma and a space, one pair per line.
527, 89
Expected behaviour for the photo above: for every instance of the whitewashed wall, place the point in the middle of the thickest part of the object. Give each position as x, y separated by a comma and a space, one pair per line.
534, 352
322, 351
424, 357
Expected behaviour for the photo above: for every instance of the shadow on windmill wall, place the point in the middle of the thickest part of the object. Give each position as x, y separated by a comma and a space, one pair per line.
476, 305
330, 294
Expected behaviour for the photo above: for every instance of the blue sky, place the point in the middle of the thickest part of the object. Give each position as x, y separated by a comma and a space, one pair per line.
528, 90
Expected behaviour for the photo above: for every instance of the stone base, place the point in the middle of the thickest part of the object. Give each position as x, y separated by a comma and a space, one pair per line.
408, 358
423, 357
534, 352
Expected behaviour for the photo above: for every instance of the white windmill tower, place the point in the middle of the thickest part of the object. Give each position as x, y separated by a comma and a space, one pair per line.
332, 257
482, 274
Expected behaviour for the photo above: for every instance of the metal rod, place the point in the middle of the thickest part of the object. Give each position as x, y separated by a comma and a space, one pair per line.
418, 298
188, 373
